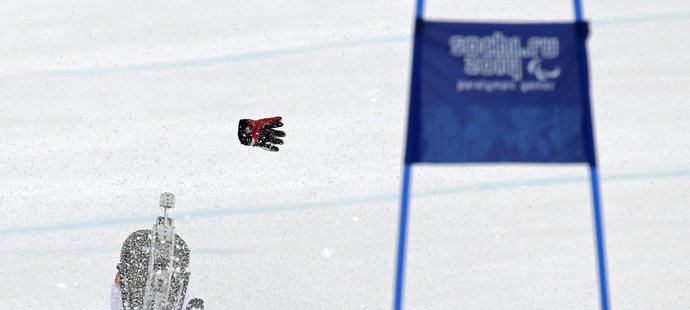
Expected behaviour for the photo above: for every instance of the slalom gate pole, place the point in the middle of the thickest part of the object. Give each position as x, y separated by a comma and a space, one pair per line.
578, 10
404, 208
594, 175
402, 238
420, 8
599, 228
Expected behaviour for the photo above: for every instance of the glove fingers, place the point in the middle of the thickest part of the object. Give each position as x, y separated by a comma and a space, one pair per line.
275, 124
269, 147
275, 140
278, 133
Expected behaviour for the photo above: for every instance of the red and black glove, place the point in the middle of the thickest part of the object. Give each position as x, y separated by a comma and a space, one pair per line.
261, 133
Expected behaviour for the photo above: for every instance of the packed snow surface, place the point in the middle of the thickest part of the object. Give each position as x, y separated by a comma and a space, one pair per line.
104, 105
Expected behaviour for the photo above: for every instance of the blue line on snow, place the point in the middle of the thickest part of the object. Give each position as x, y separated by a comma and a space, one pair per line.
288, 51
211, 213
210, 61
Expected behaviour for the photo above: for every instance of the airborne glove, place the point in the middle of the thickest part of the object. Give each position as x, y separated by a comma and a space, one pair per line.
261, 133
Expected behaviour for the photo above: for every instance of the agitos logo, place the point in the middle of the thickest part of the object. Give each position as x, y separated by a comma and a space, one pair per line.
534, 67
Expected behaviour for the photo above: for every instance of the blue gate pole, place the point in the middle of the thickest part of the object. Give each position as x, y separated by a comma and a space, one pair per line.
404, 202
420, 8
599, 228
578, 10
402, 238
594, 176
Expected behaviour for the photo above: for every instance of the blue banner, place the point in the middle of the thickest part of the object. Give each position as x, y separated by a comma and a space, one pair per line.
499, 93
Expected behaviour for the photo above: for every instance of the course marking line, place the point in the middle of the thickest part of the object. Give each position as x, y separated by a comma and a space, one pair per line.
288, 51
357, 201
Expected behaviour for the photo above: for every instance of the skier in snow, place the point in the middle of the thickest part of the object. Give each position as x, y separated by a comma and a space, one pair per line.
116, 302
153, 272
260, 133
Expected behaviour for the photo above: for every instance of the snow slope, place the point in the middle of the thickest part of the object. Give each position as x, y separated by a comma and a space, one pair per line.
103, 105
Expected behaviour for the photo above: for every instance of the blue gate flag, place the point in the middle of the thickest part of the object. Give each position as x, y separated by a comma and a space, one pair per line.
499, 93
